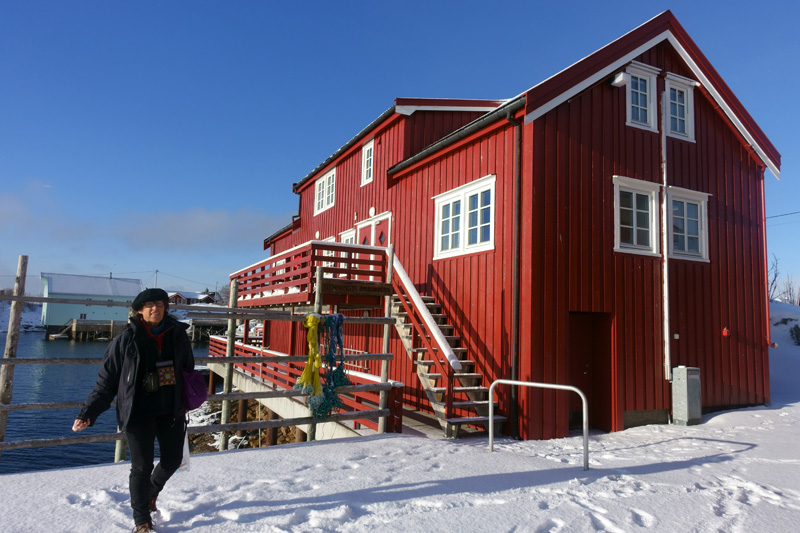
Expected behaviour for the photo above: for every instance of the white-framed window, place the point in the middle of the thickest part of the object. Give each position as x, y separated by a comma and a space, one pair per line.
465, 219
680, 106
328, 253
325, 192
641, 96
346, 237
636, 216
688, 222
367, 157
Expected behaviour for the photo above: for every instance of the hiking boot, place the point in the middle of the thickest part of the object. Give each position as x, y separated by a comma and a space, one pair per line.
144, 528
152, 506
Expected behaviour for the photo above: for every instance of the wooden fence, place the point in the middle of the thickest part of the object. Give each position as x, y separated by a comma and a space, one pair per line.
365, 400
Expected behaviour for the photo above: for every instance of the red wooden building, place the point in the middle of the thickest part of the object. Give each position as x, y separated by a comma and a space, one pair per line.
598, 230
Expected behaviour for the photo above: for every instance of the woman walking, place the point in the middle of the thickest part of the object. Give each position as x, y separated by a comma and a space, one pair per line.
143, 367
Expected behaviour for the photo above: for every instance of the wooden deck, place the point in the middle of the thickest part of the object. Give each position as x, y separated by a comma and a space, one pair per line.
352, 277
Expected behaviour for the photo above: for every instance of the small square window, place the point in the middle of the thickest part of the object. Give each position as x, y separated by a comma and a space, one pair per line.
636, 216
688, 226
465, 219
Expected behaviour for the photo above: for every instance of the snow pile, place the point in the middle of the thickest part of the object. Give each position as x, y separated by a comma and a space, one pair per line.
31, 319
737, 471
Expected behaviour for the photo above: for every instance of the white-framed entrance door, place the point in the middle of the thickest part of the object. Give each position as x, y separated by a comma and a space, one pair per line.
375, 231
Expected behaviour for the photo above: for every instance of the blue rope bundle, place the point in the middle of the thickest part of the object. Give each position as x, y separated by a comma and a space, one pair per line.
321, 406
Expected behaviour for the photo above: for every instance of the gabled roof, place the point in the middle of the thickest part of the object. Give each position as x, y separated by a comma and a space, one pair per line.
92, 285
403, 106
190, 295
611, 58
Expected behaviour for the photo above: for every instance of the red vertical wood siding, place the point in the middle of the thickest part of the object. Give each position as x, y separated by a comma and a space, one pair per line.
567, 258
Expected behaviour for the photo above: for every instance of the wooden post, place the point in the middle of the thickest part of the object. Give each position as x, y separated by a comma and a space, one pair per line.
387, 312
242, 416
272, 433
299, 435
312, 428
229, 352
211, 387
12, 339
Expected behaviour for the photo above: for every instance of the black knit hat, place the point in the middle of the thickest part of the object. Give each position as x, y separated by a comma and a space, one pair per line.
149, 295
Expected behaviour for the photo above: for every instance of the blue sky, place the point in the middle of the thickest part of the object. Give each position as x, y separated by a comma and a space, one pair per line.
165, 136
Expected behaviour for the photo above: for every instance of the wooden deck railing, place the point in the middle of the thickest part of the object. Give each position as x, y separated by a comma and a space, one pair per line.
281, 371
288, 278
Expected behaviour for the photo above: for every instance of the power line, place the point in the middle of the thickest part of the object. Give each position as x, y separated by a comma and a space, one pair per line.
184, 279
783, 215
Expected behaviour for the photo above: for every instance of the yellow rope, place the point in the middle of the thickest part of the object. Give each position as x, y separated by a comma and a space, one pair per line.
309, 381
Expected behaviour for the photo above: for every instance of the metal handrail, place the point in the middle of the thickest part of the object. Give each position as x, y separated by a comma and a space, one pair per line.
542, 386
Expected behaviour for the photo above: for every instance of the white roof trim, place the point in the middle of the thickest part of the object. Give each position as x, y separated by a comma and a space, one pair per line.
608, 70
588, 82
410, 109
721, 102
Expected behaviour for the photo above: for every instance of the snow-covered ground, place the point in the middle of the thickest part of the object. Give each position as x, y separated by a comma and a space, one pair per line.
30, 320
738, 471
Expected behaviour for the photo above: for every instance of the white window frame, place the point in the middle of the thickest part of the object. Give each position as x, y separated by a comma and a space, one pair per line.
679, 83
325, 192
328, 253
346, 237
651, 190
462, 194
367, 162
648, 73
701, 200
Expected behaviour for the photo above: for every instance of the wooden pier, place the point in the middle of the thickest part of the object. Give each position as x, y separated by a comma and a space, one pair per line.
86, 330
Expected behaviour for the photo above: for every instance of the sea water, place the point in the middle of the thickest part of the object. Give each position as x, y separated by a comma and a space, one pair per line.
50, 384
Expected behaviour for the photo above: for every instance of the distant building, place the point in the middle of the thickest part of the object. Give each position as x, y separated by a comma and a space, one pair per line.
77, 287
188, 298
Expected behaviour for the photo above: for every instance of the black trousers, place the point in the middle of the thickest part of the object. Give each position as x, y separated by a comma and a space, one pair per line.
145, 481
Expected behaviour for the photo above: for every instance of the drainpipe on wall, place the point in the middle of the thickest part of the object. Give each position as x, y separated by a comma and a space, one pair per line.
665, 241
513, 415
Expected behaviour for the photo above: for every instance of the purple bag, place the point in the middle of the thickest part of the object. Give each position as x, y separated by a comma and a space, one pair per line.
195, 390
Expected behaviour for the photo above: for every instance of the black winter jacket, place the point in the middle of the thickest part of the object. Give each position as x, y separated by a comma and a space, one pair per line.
121, 370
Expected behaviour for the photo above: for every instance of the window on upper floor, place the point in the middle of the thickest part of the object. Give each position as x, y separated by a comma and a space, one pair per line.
465, 219
641, 96
325, 192
367, 156
635, 216
688, 223
680, 106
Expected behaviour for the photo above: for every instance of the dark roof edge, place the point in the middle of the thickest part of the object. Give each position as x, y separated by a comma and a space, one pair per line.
360, 135
512, 106
268, 240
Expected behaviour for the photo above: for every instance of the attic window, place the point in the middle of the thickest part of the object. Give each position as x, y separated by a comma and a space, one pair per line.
325, 192
640, 89
680, 106
367, 157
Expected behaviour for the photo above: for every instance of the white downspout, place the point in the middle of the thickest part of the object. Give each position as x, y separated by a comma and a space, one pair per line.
665, 241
